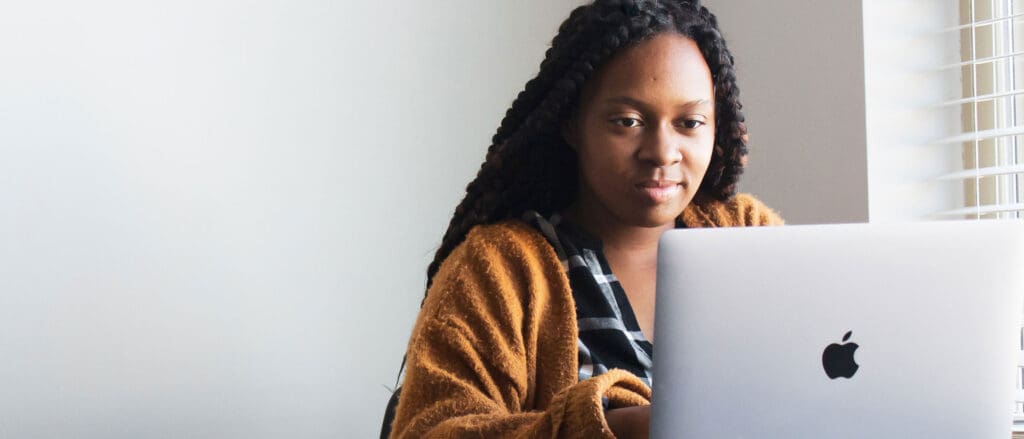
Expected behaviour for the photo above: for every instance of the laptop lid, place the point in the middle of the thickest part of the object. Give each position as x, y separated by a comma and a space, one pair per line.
920, 323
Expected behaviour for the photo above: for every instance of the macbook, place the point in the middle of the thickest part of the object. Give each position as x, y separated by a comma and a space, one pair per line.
839, 331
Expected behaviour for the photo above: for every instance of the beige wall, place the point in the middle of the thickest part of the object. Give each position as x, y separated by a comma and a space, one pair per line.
801, 72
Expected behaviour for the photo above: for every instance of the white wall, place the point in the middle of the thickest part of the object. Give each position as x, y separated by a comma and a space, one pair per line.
216, 215
801, 73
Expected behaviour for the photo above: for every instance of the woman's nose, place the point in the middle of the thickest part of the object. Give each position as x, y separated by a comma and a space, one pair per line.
662, 146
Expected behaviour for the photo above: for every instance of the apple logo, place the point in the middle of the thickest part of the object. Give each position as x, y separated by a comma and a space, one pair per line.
838, 359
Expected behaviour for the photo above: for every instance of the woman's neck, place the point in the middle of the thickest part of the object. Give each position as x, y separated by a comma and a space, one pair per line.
637, 241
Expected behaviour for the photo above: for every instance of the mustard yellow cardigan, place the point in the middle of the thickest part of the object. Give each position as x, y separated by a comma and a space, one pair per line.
493, 353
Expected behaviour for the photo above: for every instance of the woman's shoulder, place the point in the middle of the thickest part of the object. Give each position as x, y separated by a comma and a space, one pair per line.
509, 233
506, 240
497, 266
737, 211
511, 245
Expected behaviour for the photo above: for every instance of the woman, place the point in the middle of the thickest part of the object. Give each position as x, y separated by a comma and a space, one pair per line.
539, 314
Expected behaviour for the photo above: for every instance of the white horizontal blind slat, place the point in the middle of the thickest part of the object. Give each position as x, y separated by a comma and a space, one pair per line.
985, 172
984, 22
976, 61
983, 210
983, 135
983, 98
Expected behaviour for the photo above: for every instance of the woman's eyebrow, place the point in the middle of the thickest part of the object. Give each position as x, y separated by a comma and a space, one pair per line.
637, 103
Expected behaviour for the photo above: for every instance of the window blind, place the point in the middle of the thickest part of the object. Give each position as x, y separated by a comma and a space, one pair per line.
991, 108
991, 139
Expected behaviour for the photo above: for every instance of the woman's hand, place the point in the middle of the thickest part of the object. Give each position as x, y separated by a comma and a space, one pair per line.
630, 422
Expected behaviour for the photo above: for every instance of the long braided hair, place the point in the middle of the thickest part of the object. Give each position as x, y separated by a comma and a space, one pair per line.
529, 165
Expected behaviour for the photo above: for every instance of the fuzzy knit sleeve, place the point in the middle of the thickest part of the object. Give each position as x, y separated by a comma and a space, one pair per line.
493, 351
739, 211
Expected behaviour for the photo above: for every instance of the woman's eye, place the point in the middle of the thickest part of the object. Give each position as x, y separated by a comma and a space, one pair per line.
627, 122
692, 123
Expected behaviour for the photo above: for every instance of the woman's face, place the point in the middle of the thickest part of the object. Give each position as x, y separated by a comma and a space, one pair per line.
644, 133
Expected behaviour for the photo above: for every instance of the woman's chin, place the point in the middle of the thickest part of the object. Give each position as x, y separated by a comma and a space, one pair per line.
657, 217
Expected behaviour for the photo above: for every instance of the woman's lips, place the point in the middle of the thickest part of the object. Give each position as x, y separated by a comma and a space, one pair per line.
659, 191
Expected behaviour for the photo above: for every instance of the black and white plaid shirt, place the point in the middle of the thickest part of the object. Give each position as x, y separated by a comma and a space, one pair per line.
609, 335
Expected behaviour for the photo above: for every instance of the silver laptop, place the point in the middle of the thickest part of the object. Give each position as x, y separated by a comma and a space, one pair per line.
839, 331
